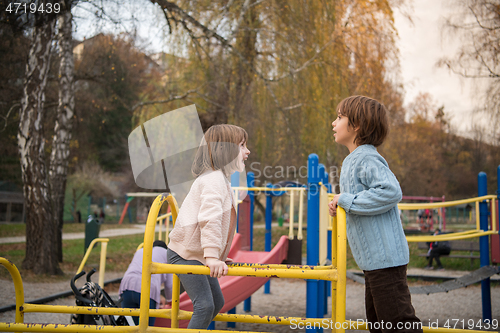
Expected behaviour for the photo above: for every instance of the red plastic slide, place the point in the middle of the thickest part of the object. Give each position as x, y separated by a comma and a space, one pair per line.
237, 288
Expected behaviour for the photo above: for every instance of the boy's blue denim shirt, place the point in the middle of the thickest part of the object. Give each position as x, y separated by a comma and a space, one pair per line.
369, 194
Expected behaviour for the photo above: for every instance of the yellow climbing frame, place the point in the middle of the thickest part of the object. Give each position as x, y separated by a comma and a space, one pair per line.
335, 273
102, 263
330, 273
477, 232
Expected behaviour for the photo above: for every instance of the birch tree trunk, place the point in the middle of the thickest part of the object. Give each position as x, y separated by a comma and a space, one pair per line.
58, 169
41, 254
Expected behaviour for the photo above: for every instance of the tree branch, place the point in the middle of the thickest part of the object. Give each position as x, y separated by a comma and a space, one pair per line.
479, 22
6, 117
243, 11
163, 101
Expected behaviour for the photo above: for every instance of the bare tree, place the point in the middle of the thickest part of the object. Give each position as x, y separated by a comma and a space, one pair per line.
477, 23
41, 229
58, 168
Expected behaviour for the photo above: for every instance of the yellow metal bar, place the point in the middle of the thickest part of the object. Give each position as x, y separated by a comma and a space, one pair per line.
301, 211
478, 225
175, 301
161, 217
160, 222
329, 275
320, 322
147, 264
303, 267
102, 264
11, 327
18, 287
414, 206
149, 236
290, 230
334, 250
43, 308
440, 238
236, 196
493, 215
267, 189
174, 208
349, 324
323, 224
89, 250
472, 231
167, 229
341, 268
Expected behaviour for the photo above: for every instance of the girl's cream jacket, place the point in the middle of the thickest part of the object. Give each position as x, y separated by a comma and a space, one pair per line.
206, 222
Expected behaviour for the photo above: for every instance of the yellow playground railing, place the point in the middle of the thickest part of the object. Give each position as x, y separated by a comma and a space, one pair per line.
102, 263
477, 232
292, 190
336, 273
160, 221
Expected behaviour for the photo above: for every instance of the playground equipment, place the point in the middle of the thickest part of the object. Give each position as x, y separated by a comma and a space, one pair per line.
483, 230
236, 289
331, 273
102, 263
319, 225
426, 220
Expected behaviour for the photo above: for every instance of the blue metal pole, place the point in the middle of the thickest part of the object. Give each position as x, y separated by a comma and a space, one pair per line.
251, 183
269, 218
231, 324
313, 306
484, 246
328, 284
247, 304
235, 182
322, 296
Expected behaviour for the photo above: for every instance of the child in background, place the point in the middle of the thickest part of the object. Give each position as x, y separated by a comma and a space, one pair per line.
206, 223
437, 249
130, 286
369, 194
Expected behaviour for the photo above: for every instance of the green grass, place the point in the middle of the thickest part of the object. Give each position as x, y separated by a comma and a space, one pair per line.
120, 251
19, 229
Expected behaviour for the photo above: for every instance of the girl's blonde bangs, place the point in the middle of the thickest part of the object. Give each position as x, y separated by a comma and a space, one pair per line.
219, 149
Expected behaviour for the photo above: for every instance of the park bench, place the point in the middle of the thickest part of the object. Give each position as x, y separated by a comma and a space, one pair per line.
457, 245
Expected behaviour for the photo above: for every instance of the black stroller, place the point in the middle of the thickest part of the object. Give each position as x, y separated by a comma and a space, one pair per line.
91, 294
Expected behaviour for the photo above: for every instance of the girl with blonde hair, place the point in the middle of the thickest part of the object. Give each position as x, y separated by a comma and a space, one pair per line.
206, 223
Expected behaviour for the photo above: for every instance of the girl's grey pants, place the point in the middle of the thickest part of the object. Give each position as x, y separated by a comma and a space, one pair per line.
204, 291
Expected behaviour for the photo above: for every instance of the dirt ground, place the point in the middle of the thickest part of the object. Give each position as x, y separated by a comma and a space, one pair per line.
288, 298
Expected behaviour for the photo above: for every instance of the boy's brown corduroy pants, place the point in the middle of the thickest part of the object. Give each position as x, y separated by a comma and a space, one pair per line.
388, 301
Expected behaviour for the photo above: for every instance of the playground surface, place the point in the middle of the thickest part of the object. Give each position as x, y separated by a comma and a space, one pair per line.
287, 298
